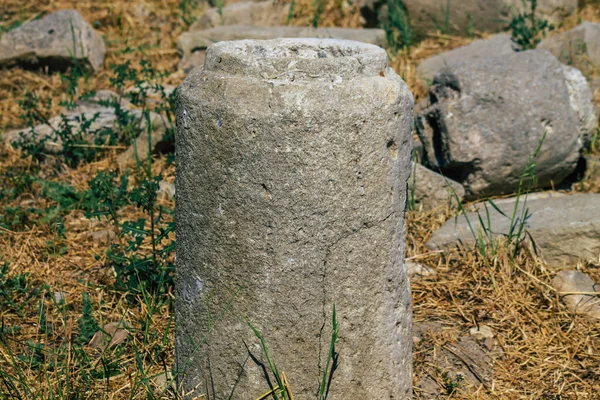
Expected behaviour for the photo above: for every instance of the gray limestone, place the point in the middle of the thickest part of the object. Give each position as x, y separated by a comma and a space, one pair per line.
191, 45
292, 162
488, 117
564, 228
495, 46
58, 41
427, 16
579, 47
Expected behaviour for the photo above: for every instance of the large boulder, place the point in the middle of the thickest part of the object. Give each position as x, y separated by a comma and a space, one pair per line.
563, 228
458, 16
579, 47
192, 45
262, 13
489, 116
497, 45
58, 41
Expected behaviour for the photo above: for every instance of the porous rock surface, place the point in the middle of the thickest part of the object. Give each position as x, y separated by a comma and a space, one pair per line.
293, 157
58, 41
489, 116
192, 45
579, 47
495, 46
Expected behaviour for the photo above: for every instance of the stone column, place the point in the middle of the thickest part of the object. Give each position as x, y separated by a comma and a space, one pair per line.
292, 162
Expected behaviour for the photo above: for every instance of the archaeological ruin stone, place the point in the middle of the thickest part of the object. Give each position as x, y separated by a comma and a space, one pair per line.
248, 13
495, 46
292, 162
578, 291
581, 100
487, 118
579, 47
458, 17
564, 228
103, 117
58, 41
430, 189
192, 45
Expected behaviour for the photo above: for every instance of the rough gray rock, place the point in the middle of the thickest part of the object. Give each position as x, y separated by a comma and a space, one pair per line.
576, 290
103, 117
259, 14
58, 41
489, 116
293, 157
431, 189
483, 15
495, 46
192, 45
582, 103
579, 47
564, 229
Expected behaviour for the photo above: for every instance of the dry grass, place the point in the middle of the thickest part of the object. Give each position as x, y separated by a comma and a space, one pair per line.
541, 351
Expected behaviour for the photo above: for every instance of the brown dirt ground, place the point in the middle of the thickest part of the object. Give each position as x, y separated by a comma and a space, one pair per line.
540, 350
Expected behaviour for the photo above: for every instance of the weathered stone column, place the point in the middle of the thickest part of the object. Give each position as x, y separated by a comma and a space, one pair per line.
292, 162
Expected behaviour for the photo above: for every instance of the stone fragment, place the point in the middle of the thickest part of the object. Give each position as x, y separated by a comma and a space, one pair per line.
481, 332
489, 116
110, 335
579, 47
415, 270
103, 117
192, 45
582, 104
166, 190
497, 45
259, 14
102, 236
576, 290
448, 357
58, 41
431, 189
292, 162
459, 17
59, 297
564, 229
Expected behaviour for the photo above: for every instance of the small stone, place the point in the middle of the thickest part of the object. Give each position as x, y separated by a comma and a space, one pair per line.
416, 270
60, 297
576, 290
102, 236
110, 335
481, 332
166, 189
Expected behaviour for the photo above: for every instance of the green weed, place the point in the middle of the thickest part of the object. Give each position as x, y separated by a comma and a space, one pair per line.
397, 26
527, 28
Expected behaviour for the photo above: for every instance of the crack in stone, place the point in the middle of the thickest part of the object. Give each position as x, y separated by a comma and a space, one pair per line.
366, 225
